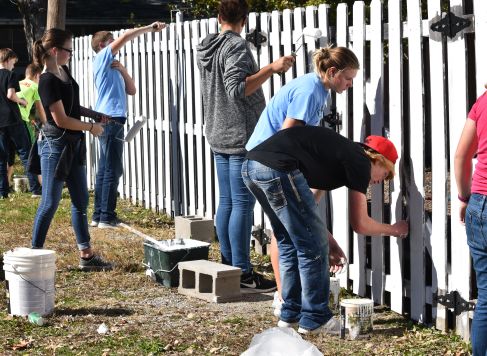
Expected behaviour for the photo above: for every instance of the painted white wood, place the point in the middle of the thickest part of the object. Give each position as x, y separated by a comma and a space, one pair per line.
299, 40
287, 40
416, 185
396, 126
375, 104
125, 189
198, 122
182, 157
360, 258
438, 242
341, 229
159, 134
480, 10
166, 121
151, 122
189, 127
458, 110
311, 42
138, 45
144, 134
275, 41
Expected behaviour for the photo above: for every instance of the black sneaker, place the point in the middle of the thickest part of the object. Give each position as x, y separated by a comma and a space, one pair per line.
95, 263
256, 283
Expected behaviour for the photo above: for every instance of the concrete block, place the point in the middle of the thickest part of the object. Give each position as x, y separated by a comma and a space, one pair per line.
209, 281
194, 227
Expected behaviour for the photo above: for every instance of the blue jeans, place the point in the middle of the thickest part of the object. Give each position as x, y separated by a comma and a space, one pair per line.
301, 236
19, 135
50, 152
476, 226
110, 169
234, 214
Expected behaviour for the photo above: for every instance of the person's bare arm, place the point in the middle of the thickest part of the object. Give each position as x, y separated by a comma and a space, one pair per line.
255, 81
129, 35
66, 122
40, 111
130, 88
12, 95
363, 224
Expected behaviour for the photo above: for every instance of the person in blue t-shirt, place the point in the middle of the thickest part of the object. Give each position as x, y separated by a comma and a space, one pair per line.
113, 83
302, 102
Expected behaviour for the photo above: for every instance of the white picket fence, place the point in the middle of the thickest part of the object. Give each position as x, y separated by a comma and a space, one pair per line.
414, 84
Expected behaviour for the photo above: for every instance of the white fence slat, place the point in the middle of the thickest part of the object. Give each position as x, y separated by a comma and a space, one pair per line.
460, 264
198, 123
144, 134
131, 147
173, 118
191, 206
299, 41
395, 287
158, 117
125, 189
375, 102
439, 169
416, 186
275, 40
287, 39
166, 121
341, 230
137, 111
181, 88
358, 268
310, 15
151, 121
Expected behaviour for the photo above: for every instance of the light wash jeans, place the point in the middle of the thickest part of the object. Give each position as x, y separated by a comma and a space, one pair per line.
234, 213
476, 226
50, 152
301, 236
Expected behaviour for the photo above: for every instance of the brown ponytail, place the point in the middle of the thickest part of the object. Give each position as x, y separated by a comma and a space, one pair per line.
54, 37
338, 57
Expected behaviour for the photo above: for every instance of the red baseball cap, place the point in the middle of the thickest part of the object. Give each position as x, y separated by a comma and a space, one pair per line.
383, 146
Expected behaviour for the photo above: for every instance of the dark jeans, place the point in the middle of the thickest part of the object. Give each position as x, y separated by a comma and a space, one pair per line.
476, 226
110, 169
19, 135
50, 152
302, 238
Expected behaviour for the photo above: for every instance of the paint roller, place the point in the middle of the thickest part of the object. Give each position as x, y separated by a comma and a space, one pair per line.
307, 32
134, 130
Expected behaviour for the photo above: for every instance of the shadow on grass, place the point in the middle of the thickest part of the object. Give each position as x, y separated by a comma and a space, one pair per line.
93, 311
257, 297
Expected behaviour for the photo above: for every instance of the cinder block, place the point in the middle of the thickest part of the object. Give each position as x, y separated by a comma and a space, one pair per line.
209, 281
194, 227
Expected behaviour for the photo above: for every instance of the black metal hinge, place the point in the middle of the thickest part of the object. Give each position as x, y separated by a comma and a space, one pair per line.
256, 38
453, 301
450, 24
333, 119
260, 235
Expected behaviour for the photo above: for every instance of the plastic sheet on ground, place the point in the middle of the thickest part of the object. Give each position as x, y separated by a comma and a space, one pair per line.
280, 341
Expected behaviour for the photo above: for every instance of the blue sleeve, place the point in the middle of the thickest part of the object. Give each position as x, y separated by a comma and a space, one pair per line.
303, 106
103, 59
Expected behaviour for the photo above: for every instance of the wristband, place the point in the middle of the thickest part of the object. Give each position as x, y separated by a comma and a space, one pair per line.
91, 128
462, 199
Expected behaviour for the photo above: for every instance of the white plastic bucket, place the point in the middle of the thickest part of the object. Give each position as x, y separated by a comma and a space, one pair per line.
30, 275
21, 184
358, 316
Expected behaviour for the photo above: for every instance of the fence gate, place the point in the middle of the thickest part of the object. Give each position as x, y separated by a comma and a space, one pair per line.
421, 70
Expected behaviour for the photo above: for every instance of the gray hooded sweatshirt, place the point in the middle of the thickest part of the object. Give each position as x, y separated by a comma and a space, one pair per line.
225, 60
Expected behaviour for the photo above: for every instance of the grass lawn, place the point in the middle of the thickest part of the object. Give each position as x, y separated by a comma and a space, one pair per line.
144, 318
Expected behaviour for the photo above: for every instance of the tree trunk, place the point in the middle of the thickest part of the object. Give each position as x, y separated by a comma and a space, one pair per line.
56, 14
33, 16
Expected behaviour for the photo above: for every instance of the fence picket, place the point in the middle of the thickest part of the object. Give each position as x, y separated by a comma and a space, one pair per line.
438, 235
457, 109
394, 281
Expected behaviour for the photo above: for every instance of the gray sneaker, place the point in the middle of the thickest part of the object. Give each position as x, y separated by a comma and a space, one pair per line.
331, 327
113, 224
95, 263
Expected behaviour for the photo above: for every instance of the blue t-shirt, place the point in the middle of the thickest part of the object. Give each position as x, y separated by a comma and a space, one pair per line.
112, 99
303, 98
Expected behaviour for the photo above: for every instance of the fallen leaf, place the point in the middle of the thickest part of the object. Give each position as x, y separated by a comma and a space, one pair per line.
22, 345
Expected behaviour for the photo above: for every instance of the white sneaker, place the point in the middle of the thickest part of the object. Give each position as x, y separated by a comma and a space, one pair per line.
277, 304
285, 324
331, 327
